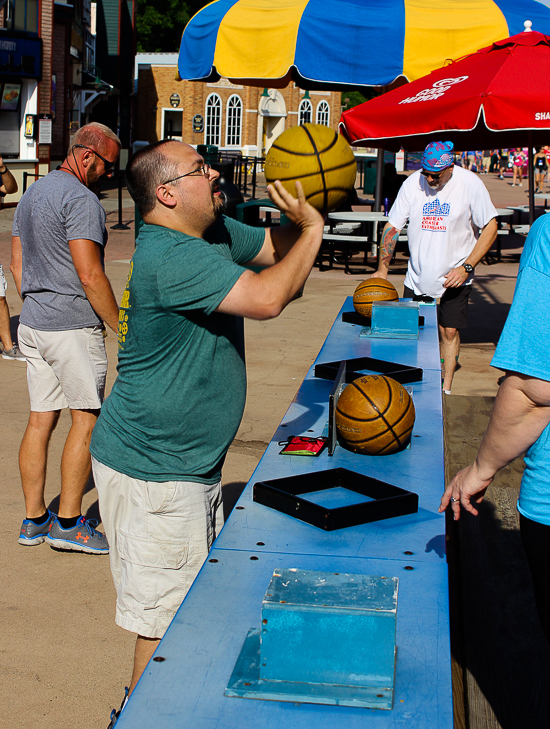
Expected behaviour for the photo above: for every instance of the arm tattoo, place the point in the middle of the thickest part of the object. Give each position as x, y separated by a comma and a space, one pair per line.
387, 246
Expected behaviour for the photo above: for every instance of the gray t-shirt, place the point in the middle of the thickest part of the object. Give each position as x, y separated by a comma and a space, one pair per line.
55, 210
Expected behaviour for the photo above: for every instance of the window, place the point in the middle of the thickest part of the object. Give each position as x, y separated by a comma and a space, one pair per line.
213, 120
234, 121
21, 15
305, 111
323, 113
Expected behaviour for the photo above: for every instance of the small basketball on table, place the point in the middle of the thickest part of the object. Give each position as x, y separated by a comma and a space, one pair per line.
375, 415
317, 156
371, 290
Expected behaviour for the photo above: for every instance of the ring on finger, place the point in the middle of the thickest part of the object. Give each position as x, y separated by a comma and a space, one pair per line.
453, 500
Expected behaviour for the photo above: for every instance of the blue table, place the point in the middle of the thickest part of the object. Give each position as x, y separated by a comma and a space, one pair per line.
198, 653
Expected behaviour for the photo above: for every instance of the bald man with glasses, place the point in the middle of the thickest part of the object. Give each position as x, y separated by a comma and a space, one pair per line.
58, 242
452, 225
165, 429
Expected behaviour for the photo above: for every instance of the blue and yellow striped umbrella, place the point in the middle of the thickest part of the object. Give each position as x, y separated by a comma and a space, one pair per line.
333, 43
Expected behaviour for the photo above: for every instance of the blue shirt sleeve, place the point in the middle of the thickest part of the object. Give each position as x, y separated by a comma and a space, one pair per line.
525, 340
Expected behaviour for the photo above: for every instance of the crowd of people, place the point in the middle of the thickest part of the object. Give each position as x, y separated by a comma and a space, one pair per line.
509, 161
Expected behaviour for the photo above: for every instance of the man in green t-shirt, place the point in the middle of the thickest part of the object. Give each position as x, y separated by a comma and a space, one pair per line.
177, 403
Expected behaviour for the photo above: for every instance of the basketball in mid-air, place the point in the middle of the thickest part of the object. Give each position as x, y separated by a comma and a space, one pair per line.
375, 415
371, 290
317, 156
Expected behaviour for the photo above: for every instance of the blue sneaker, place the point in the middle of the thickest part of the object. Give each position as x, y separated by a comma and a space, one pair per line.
114, 713
81, 538
32, 533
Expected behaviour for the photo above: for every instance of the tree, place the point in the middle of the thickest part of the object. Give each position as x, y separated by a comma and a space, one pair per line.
160, 23
350, 99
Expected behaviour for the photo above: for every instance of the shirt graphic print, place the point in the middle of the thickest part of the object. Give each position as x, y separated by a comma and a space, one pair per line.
435, 216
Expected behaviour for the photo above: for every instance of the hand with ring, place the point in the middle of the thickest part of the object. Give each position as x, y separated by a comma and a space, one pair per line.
466, 487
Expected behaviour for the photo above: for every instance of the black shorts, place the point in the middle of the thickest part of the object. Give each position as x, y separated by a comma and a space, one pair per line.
535, 538
453, 305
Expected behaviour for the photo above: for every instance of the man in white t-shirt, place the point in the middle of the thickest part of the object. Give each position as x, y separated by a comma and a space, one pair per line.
452, 225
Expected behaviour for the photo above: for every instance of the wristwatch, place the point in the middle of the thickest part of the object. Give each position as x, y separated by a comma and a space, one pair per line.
467, 267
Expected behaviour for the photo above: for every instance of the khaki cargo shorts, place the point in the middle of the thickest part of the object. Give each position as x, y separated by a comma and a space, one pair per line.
159, 535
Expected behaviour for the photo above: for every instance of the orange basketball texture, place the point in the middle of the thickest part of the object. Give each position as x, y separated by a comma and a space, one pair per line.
375, 415
373, 289
317, 156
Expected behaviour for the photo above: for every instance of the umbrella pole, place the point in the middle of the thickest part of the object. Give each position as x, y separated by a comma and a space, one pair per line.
379, 172
531, 173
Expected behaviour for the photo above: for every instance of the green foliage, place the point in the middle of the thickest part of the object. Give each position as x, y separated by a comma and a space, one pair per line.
354, 98
160, 23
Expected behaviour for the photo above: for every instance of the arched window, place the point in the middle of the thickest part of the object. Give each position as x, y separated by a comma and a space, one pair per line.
323, 113
305, 111
234, 121
213, 120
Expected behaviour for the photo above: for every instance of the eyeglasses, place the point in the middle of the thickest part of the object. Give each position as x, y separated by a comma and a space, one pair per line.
434, 175
204, 171
108, 165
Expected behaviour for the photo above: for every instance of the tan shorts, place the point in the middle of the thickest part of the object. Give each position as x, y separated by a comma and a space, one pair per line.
159, 535
64, 369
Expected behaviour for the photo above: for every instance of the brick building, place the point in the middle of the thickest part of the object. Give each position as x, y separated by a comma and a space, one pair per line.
231, 116
51, 81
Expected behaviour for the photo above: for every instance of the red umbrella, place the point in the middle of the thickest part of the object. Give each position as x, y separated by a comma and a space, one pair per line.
496, 97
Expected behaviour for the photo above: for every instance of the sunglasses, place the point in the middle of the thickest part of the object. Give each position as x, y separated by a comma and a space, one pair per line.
107, 165
204, 171
434, 175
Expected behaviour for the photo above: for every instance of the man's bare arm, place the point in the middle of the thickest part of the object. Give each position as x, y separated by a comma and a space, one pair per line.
264, 295
16, 265
457, 276
87, 261
277, 243
387, 248
520, 413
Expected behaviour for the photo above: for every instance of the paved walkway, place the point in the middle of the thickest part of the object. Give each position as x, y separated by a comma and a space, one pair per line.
63, 662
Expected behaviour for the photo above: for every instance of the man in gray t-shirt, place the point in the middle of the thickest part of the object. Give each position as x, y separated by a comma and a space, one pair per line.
58, 239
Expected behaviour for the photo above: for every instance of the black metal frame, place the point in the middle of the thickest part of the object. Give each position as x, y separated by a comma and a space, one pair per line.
286, 495
399, 372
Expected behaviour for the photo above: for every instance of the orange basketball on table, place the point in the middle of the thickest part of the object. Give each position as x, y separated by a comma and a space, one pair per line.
375, 415
373, 289
317, 156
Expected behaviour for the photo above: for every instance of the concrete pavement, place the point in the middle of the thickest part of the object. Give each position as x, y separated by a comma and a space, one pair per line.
63, 662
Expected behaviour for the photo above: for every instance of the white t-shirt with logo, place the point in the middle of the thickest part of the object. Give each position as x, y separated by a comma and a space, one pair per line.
444, 226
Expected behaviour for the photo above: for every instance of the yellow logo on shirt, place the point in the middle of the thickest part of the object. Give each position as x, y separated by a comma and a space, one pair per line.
122, 315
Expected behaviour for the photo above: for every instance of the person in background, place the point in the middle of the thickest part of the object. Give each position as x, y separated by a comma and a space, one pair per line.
478, 162
11, 350
452, 225
391, 182
519, 161
58, 241
540, 164
504, 162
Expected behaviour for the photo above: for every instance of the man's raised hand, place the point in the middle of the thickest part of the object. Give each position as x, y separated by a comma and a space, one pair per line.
297, 210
